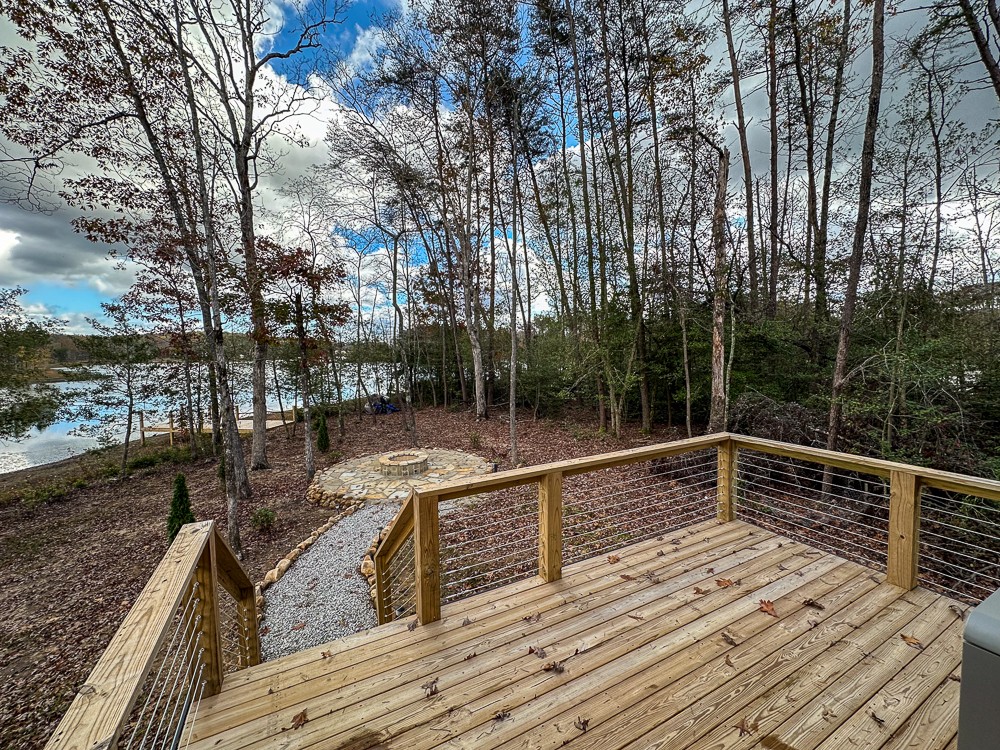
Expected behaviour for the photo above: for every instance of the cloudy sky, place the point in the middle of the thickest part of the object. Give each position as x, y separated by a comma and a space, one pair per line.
68, 276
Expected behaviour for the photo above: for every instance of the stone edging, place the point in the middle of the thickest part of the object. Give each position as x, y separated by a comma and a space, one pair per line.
275, 574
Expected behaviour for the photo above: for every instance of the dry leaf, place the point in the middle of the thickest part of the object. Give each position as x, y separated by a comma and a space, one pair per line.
326, 655
709, 571
299, 720
533, 618
554, 666
265, 630
539, 652
729, 639
781, 567
659, 538
412, 626
298, 626
430, 688
660, 553
637, 617
813, 603
745, 727
613, 559
723, 583
470, 656
466, 621
675, 541
699, 590
581, 724
912, 642
501, 716
627, 577
960, 612
767, 606
955, 678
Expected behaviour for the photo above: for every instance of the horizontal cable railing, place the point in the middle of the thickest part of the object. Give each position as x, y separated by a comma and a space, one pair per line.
472, 535
194, 621
959, 544
504, 523
839, 511
608, 509
395, 567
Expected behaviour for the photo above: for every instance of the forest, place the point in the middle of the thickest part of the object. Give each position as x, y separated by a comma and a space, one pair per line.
777, 218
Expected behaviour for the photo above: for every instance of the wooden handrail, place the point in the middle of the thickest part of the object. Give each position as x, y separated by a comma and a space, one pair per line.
105, 701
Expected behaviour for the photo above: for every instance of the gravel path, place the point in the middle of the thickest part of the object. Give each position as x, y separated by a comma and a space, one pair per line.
322, 596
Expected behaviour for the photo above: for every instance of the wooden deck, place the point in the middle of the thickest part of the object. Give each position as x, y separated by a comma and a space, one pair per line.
656, 650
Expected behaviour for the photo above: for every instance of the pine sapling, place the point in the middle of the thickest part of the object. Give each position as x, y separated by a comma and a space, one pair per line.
180, 508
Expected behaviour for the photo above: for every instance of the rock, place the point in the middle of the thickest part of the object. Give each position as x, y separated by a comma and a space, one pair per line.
282, 566
367, 567
271, 577
293, 555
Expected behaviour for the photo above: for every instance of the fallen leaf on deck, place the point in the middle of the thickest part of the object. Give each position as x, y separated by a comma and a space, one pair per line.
298, 626
781, 567
675, 541
659, 538
729, 639
960, 612
581, 724
299, 720
501, 716
955, 678
709, 571
430, 688
533, 618
470, 656
412, 626
699, 590
637, 617
613, 559
326, 655
723, 583
813, 603
466, 621
554, 666
767, 606
745, 727
627, 577
539, 652
912, 642
660, 553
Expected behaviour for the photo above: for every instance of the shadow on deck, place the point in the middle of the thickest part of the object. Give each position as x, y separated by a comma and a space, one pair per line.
718, 635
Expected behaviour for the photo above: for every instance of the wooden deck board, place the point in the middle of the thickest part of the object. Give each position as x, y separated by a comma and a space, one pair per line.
644, 645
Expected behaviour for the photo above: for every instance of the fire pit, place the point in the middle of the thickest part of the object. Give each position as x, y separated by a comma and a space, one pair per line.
403, 464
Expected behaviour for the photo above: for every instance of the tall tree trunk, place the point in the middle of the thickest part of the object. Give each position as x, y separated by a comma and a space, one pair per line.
861, 227
717, 417
300, 334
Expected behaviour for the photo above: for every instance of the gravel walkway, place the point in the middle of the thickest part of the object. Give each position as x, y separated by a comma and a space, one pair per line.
322, 596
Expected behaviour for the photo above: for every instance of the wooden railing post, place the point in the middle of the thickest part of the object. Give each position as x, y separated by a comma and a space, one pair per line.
550, 508
207, 609
726, 480
904, 529
427, 557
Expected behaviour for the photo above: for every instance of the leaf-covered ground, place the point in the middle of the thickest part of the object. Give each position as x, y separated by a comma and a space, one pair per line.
70, 569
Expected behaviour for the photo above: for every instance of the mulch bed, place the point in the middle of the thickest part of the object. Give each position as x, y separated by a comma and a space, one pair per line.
70, 569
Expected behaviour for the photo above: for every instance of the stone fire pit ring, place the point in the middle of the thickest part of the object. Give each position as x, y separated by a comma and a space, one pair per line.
403, 463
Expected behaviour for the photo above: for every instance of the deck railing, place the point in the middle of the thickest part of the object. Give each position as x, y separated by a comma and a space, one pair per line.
194, 622
919, 525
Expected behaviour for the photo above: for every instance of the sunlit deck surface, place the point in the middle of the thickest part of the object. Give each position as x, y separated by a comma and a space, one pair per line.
655, 650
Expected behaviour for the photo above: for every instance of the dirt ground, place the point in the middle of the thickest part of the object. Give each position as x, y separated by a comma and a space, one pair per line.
71, 568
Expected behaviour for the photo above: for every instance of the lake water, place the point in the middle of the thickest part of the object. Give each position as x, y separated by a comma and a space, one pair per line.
63, 439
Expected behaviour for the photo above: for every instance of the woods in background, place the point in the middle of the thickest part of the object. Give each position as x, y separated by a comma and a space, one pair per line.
778, 217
